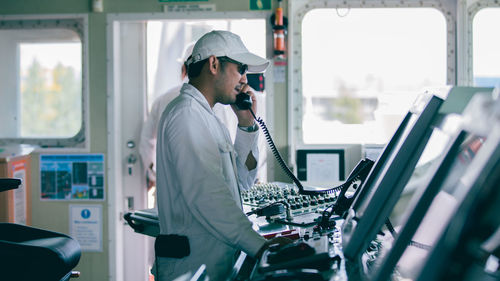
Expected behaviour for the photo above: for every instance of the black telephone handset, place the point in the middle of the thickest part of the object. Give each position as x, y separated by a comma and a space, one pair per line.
353, 182
344, 201
243, 101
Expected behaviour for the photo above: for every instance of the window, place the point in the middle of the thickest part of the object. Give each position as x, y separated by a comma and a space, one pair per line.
362, 68
486, 48
51, 89
42, 78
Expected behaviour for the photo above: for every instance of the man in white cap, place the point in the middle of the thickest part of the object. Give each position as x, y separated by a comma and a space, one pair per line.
200, 172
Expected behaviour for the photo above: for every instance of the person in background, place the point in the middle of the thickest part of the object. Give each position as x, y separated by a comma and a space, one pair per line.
200, 171
147, 142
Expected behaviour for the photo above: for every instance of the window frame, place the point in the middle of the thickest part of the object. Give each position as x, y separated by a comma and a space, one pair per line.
472, 11
299, 8
77, 23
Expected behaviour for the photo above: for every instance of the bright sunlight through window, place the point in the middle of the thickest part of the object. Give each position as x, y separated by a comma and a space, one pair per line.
51, 89
361, 71
486, 48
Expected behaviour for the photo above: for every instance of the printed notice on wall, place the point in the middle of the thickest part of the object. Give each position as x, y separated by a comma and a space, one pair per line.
189, 8
323, 167
72, 177
85, 222
20, 198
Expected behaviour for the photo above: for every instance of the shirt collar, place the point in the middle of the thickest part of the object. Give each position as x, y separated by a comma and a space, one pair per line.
188, 89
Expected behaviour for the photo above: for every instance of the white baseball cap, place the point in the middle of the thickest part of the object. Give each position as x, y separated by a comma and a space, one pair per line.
221, 43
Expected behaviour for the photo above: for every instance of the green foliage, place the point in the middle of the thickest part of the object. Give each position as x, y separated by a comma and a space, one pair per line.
51, 101
351, 112
346, 108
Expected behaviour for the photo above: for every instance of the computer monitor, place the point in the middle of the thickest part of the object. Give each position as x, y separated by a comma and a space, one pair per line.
326, 164
320, 165
437, 191
457, 98
381, 191
472, 234
393, 167
421, 188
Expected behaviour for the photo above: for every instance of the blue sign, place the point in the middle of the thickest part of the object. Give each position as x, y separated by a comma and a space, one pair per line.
85, 213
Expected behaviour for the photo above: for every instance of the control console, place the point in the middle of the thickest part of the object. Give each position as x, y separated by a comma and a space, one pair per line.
314, 256
267, 193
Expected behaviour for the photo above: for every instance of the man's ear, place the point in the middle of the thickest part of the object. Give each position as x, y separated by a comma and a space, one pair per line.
213, 64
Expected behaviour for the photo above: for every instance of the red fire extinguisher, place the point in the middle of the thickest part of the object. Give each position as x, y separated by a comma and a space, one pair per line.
279, 23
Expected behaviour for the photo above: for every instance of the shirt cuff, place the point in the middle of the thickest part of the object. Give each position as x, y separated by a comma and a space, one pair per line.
246, 142
252, 244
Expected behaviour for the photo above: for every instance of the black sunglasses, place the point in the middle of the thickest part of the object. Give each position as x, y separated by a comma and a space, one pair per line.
242, 68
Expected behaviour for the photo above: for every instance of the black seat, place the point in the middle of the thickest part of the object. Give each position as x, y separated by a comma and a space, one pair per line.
8, 184
29, 253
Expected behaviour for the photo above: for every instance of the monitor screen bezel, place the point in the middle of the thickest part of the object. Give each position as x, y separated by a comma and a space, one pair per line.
481, 181
386, 185
381, 161
420, 204
302, 161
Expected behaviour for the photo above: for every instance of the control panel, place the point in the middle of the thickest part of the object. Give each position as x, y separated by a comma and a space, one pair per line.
316, 255
264, 194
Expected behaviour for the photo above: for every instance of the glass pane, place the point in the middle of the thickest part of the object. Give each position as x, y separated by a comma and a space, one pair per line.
51, 89
486, 48
47, 82
361, 76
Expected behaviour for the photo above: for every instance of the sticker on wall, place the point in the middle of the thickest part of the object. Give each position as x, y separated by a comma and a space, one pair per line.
260, 4
188, 8
72, 177
18, 171
85, 225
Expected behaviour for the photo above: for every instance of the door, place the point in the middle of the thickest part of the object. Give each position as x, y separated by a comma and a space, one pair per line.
144, 65
127, 186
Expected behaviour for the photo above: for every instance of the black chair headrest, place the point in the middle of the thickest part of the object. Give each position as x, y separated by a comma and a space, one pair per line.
9, 183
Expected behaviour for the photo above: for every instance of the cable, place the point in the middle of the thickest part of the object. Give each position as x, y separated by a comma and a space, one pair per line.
391, 229
276, 153
416, 244
287, 170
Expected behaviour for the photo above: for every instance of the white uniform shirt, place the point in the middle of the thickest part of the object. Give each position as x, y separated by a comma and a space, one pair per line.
199, 171
149, 131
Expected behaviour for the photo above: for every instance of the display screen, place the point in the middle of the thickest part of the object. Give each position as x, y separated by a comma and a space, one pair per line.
432, 152
383, 186
362, 203
441, 210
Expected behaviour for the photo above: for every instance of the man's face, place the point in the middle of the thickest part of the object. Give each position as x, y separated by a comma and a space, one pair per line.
229, 81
